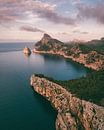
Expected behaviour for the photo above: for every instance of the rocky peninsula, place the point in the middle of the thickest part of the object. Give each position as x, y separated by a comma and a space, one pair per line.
80, 53
73, 113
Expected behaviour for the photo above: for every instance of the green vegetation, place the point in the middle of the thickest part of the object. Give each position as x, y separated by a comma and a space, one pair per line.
44, 47
85, 48
97, 45
94, 45
90, 88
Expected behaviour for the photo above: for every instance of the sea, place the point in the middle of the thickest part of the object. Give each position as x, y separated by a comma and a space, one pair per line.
20, 107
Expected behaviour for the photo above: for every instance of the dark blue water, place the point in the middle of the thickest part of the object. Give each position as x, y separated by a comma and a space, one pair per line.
20, 107
5, 47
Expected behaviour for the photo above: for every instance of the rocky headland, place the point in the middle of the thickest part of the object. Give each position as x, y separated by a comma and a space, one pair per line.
73, 113
81, 53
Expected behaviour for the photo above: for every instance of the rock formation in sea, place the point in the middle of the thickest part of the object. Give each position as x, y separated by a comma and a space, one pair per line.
26, 51
90, 55
73, 113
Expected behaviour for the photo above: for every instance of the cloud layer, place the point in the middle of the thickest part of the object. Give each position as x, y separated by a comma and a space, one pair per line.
92, 12
31, 29
71, 18
14, 10
80, 32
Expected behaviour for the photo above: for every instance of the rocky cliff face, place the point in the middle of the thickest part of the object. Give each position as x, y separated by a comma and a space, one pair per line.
73, 113
90, 59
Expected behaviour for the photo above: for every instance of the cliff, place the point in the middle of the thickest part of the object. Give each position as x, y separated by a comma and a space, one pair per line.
73, 113
81, 53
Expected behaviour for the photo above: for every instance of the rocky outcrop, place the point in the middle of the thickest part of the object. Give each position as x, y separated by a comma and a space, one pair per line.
47, 43
91, 59
73, 113
26, 50
45, 39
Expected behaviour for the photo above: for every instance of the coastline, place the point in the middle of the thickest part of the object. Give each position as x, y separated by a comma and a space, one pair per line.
73, 113
90, 66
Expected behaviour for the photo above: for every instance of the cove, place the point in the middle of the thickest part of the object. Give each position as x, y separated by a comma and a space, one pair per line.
20, 107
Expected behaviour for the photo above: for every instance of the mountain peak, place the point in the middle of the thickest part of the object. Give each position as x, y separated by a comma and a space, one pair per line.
47, 43
46, 36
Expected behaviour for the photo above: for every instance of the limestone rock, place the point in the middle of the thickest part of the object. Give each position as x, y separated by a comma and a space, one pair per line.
73, 113
26, 50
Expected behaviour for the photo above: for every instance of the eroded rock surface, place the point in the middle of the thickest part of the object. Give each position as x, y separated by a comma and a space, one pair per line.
73, 113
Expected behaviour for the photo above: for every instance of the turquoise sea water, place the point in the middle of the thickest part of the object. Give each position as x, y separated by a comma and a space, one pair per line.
20, 107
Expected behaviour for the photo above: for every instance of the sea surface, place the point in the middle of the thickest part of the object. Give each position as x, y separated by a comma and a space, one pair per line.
20, 107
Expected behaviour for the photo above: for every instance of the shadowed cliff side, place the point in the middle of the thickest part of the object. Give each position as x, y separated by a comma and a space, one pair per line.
73, 113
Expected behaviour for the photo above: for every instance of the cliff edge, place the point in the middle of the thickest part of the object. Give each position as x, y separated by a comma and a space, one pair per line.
73, 113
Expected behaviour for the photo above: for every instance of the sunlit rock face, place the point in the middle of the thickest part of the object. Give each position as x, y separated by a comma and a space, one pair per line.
73, 113
26, 51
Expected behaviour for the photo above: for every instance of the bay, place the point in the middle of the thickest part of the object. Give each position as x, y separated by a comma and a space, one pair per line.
20, 107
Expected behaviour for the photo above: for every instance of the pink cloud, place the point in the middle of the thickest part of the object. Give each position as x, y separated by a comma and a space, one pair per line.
31, 29
12, 10
92, 12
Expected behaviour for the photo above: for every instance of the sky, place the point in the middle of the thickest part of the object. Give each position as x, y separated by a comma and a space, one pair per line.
67, 20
